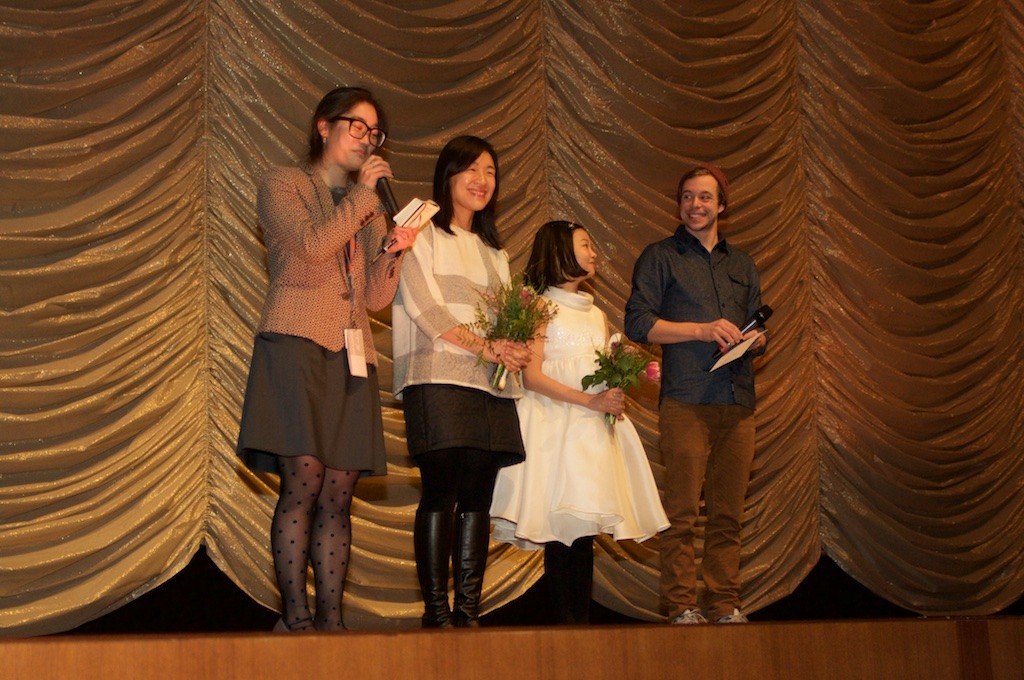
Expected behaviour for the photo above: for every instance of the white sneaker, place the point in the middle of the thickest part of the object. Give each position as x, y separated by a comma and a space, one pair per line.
689, 617
736, 617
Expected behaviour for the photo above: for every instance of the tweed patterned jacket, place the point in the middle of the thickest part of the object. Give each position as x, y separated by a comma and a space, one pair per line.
308, 241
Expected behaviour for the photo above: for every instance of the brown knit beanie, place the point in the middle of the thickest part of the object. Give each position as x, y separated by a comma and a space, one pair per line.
714, 171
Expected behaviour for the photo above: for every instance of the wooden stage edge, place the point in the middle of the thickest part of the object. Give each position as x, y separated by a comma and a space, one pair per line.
936, 649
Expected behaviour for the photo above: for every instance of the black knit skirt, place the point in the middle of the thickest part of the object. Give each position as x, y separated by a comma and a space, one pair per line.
441, 417
301, 400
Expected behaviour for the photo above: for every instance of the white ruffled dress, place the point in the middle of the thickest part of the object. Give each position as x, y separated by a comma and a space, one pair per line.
581, 477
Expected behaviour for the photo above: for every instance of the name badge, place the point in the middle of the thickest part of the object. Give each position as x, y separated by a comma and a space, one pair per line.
356, 355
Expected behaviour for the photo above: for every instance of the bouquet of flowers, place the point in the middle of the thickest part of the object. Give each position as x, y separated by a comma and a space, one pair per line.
621, 365
512, 311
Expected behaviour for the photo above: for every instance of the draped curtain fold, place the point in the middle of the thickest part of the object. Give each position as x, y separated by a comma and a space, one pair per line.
876, 157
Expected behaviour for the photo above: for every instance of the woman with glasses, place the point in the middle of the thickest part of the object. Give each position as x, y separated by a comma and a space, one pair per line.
312, 407
460, 428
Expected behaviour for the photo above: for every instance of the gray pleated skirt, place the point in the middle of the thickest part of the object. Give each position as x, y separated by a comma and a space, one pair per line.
301, 400
441, 417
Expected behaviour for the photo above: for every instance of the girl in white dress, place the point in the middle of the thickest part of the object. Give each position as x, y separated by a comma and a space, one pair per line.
581, 477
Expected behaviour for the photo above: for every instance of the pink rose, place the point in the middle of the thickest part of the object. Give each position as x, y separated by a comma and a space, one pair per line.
653, 371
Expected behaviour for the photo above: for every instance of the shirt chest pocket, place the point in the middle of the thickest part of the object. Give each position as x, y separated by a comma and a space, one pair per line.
739, 287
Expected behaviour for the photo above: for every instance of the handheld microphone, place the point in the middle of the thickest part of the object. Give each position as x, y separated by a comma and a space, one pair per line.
387, 197
758, 319
760, 316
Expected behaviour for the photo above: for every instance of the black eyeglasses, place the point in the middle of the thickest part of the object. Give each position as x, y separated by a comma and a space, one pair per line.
359, 129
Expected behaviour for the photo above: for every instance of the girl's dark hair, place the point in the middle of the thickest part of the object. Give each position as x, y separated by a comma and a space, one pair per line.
337, 102
553, 257
456, 156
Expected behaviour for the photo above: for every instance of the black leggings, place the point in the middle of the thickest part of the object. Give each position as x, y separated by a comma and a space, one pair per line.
457, 477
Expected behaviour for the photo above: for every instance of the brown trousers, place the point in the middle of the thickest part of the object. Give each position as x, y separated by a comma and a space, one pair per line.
707, 447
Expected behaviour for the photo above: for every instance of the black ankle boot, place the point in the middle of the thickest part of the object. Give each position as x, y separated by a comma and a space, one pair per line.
432, 544
469, 559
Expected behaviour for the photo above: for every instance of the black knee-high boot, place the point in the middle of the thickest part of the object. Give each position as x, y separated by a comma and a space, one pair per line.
469, 559
432, 544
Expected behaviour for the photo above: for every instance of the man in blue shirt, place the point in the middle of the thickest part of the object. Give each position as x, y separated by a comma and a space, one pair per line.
691, 294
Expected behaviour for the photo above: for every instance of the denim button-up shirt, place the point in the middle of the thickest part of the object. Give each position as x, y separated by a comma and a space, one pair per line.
677, 279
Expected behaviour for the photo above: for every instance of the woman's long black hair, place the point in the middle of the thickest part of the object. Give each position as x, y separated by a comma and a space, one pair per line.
456, 156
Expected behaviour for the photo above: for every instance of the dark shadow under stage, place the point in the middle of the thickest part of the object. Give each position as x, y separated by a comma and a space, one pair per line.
202, 599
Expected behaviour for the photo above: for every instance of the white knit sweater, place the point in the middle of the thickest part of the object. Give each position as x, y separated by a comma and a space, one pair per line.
442, 278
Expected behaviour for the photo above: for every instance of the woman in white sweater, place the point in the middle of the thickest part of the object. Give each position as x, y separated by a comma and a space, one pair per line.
460, 430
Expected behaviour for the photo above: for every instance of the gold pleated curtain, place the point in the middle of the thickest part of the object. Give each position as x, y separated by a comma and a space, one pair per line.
875, 154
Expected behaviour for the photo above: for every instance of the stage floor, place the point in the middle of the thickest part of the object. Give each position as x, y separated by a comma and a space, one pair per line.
935, 649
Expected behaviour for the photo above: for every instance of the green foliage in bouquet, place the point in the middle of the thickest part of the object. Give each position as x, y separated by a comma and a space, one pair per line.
620, 366
511, 311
